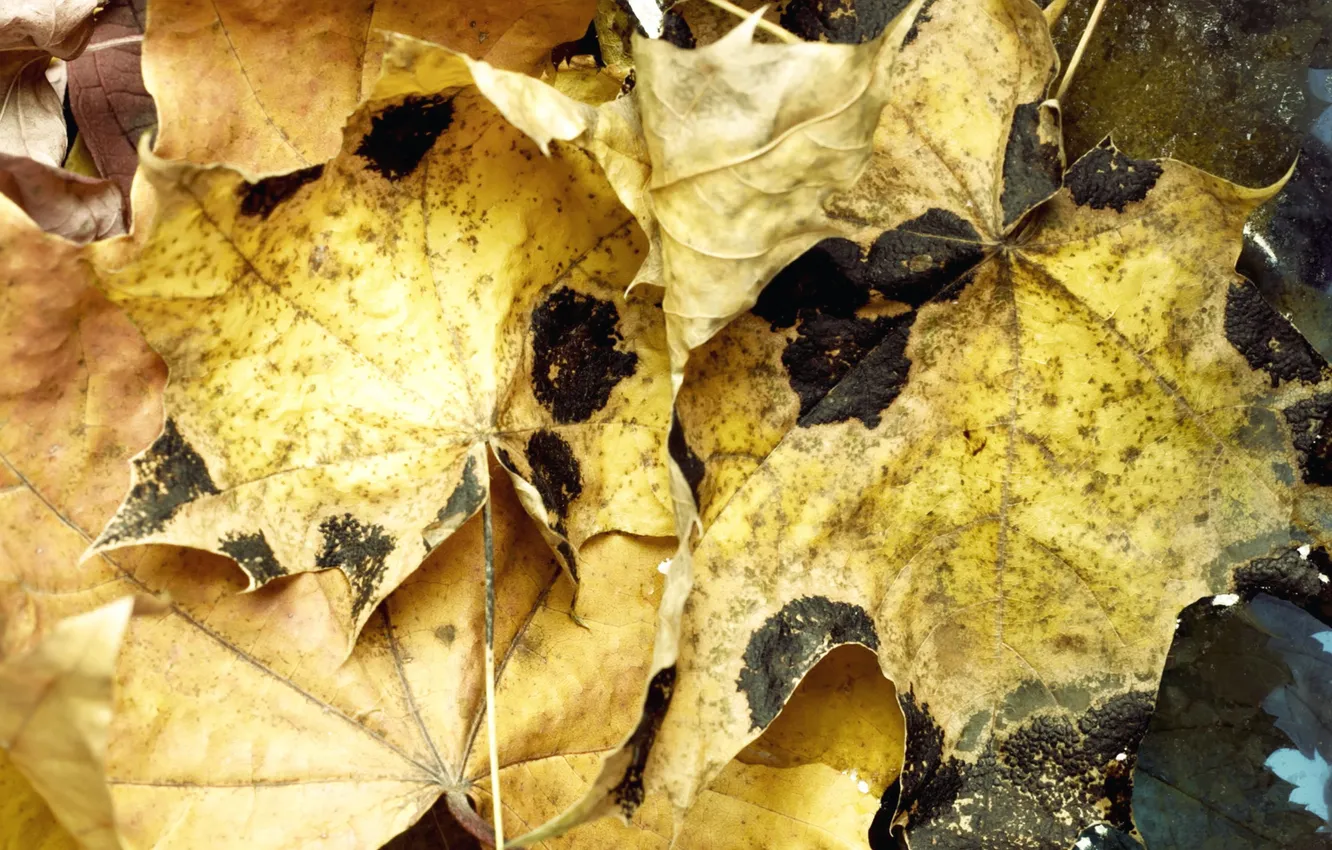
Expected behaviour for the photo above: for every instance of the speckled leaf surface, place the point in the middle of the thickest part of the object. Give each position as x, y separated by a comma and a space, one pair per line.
227, 701
344, 342
1000, 435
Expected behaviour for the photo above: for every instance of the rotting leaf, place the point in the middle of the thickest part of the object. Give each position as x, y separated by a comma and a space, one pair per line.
346, 339
1081, 439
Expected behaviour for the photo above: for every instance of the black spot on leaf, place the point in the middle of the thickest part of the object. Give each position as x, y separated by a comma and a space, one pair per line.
566, 553
575, 361
261, 198
360, 551
1311, 431
445, 634
466, 497
169, 474
1081, 766
922, 17
1104, 177
782, 650
555, 474
924, 258
254, 555
628, 793
840, 21
1267, 340
1289, 576
822, 290
826, 278
1033, 168
929, 783
401, 135
690, 465
846, 369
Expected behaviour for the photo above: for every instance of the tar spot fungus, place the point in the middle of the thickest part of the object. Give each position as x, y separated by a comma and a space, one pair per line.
169, 474
922, 18
628, 793
839, 21
1289, 576
923, 259
1310, 424
575, 360
826, 278
1267, 340
1104, 177
466, 498
841, 366
846, 369
1033, 167
262, 197
254, 555
782, 650
691, 467
360, 551
1079, 765
401, 135
929, 783
555, 474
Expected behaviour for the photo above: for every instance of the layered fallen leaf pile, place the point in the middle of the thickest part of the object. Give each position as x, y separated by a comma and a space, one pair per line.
824, 458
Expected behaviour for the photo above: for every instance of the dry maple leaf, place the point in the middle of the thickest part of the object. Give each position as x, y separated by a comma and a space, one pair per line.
266, 85
1001, 442
84, 393
346, 340
228, 698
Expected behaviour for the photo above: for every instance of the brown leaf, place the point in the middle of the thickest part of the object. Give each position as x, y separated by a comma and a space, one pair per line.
81, 209
107, 94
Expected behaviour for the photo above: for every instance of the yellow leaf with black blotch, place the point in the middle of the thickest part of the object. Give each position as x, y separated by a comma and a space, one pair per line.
229, 700
345, 341
265, 85
814, 777
1000, 434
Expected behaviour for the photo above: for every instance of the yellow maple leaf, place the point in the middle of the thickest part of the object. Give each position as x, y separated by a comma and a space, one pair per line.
345, 341
999, 439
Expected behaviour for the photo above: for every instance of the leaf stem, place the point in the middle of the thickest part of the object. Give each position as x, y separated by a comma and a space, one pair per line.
1054, 12
1082, 46
490, 676
765, 25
